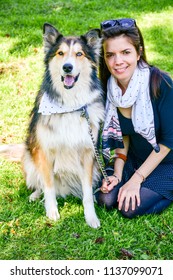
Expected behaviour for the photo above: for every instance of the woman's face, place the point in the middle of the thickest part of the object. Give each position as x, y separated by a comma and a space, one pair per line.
121, 58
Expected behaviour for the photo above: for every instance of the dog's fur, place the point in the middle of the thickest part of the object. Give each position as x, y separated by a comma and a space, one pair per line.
59, 155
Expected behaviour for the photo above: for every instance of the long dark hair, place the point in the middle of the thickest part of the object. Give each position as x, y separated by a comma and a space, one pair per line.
137, 40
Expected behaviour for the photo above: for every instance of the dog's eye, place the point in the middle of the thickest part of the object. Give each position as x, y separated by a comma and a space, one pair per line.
79, 54
60, 53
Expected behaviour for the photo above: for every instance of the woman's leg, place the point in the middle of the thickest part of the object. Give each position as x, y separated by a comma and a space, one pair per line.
151, 203
108, 200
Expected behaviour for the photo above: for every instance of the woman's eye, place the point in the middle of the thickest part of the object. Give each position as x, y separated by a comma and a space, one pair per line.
79, 54
126, 52
109, 55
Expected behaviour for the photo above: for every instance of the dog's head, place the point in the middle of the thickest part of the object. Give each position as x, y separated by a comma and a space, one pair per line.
70, 58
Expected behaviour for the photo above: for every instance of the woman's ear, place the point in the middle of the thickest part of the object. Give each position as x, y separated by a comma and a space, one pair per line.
140, 50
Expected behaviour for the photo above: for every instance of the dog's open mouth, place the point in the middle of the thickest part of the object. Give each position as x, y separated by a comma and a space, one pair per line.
69, 80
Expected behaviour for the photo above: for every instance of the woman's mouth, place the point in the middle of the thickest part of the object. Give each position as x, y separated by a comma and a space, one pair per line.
120, 70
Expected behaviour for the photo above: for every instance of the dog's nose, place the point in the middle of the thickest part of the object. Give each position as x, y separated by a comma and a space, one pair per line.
67, 67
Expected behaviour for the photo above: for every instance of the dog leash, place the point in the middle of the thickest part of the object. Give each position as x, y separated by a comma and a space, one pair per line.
96, 152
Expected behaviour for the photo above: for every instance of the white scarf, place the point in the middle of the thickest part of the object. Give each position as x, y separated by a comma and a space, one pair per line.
136, 96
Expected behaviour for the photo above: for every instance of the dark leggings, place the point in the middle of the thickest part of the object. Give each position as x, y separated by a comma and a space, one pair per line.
151, 202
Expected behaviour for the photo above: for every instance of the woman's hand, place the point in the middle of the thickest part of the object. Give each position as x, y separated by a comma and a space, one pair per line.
105, 188
129, 192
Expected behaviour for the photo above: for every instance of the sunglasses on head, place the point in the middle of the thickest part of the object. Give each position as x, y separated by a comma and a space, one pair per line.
124, 22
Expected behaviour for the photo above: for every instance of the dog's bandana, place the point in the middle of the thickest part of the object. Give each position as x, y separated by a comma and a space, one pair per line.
137, 95
48, 107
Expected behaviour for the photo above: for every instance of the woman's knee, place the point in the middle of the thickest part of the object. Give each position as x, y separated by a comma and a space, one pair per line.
106, 200
128, 214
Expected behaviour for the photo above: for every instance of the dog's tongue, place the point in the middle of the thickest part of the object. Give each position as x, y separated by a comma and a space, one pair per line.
69, 80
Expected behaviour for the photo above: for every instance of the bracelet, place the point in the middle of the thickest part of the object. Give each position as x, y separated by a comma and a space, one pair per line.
121, 156
116, 177
141, 176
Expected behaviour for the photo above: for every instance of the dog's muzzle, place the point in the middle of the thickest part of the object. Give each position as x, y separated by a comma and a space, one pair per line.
68, 79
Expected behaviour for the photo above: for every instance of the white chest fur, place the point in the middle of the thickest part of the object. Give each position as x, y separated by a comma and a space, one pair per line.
66, 135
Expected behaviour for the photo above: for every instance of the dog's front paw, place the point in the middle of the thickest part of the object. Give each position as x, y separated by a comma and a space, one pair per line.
53, 214
93, 221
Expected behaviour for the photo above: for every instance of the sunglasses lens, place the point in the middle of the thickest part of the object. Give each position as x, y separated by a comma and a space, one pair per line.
108, 23
125, 22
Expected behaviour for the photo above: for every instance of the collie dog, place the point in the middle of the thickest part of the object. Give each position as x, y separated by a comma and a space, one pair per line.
59, 155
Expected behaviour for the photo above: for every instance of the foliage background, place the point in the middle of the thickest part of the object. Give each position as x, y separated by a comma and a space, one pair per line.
25, 232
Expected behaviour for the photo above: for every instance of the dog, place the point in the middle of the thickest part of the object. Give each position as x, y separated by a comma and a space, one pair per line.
59, 154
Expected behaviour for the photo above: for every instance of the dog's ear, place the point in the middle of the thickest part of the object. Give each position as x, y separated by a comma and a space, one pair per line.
50, 36
93, 37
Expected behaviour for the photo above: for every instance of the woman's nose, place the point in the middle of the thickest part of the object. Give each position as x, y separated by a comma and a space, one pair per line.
118, 59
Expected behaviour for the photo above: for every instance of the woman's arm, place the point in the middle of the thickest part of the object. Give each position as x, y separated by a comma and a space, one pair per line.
130, 190
119, 163
118, 167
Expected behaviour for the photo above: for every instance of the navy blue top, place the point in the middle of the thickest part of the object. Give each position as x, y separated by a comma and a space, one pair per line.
163, 119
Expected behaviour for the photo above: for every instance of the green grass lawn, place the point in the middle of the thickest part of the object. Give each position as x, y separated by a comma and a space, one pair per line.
25, 232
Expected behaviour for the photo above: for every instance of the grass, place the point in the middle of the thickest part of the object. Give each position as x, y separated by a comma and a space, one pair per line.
25, 232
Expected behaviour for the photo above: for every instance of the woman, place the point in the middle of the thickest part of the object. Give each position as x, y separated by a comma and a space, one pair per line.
138, 129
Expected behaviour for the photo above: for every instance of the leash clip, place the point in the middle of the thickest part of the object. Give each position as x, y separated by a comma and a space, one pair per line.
85, 112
